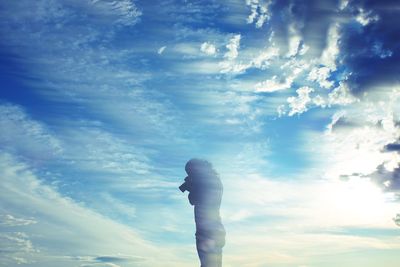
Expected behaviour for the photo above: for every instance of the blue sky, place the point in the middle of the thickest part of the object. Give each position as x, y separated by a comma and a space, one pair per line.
296, 103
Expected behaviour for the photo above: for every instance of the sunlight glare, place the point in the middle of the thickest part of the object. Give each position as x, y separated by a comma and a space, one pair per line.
356, 201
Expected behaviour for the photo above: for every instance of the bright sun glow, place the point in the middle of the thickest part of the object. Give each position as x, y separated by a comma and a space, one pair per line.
357, 201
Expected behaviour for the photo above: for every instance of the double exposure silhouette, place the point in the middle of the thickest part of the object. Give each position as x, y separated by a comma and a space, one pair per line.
205, 194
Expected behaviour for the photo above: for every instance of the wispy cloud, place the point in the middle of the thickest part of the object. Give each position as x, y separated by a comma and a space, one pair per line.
22, 135
126, 11
10, 220
63, 227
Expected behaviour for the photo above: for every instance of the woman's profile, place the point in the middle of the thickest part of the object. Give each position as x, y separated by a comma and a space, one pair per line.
205, 194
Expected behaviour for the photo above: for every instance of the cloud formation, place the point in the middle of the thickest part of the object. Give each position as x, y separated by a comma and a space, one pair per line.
34, 139
296, 102
60, 230
208, 48
259, 12
233, 47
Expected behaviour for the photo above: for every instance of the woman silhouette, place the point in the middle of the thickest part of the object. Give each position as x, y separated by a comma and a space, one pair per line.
205, 194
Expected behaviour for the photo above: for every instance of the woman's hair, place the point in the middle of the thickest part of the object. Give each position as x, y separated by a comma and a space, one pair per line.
200, 168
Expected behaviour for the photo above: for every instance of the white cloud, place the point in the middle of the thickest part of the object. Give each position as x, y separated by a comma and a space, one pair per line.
341, 95
254, 13
161, 50
343, 4
299, 103
380, 51
319, 101
281, 110
274, 84
208, 48
331, 50
321, 76
233, 47
233, 68
294, 40
264, 59
259, 12
366, 17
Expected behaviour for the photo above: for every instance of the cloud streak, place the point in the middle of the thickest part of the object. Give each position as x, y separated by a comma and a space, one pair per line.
62, 227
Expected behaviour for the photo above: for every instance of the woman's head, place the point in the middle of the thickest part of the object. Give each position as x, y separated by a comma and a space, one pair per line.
199, 168
206, 186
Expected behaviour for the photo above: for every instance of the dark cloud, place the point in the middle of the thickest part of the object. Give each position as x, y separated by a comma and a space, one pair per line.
369, 34
110, 259
372, 52
311, 18
392, 147
116, 259
317, 17
389, 180
397, 219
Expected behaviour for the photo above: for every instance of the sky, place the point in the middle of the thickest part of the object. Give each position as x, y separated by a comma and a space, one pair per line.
296, 104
